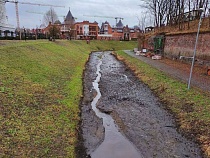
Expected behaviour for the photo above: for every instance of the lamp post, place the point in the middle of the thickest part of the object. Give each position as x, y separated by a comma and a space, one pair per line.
69, 33
194, 53
24, 32
36, 33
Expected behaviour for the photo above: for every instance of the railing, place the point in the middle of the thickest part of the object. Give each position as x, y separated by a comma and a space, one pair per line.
185, 27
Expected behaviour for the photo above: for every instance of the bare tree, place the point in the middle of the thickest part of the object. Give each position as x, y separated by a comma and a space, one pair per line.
172, 12
142, 20
150, 5
49, 19
50, 16
158, 9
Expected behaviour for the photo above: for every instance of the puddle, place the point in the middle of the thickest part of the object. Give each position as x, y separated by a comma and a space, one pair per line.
115, 145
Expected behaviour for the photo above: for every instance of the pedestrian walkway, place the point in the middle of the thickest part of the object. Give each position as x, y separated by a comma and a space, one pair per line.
178, 70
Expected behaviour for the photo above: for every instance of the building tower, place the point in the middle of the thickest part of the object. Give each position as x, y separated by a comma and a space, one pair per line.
68, 26
2, 12
119, 24
69, 20
5, 28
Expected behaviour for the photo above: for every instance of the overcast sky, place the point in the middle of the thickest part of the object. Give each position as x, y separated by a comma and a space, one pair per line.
127, 9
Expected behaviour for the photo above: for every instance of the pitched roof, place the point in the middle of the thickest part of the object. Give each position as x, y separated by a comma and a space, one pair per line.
106, 22
69, 18
57, 22
119, 24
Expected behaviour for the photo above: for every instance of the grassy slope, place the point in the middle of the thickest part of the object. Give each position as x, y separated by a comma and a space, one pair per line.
40, 90
191, 108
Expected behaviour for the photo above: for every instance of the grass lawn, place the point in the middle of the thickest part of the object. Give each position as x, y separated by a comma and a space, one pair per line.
190, 107
40, 90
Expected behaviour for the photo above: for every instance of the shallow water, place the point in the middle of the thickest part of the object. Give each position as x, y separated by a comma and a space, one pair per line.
115, 145
146, 128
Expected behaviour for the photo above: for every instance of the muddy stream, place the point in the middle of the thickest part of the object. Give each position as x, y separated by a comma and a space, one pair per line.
122, 118
114, 144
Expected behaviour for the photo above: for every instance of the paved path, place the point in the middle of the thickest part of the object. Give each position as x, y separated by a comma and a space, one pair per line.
178, 70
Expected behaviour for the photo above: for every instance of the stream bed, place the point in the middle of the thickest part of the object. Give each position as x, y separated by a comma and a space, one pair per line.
115, 145
122, 118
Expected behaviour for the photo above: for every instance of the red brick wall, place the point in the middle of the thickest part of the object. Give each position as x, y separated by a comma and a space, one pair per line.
183, 44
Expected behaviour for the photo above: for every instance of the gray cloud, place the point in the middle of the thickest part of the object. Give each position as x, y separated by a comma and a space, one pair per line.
128, 9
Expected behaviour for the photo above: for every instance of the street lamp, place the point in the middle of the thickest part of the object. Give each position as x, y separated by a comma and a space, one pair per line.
36, 33
194, 53
69, 33
24, 30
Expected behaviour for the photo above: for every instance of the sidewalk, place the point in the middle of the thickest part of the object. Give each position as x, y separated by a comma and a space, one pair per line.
178, 70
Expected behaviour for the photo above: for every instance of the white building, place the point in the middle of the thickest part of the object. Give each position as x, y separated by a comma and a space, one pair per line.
5, 28
86, 29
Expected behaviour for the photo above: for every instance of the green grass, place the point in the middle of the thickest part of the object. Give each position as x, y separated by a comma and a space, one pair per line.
190, 107
40, 91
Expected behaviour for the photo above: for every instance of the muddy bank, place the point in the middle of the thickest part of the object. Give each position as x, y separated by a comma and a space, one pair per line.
138, 113
91, 128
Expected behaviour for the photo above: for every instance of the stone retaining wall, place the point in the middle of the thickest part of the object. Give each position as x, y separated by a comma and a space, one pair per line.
183, 45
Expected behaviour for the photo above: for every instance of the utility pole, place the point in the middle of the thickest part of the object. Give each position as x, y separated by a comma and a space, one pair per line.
24, 30
17, 17
194, 53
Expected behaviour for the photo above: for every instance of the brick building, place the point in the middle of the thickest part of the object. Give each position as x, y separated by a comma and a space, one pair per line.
86, 30
105, 31
47, 30
70, 29
120, 32
67, 28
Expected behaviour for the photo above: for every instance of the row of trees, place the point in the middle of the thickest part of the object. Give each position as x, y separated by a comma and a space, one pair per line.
170, 12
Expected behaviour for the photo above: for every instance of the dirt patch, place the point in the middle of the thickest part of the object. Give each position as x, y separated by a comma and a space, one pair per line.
188, 107
136, 110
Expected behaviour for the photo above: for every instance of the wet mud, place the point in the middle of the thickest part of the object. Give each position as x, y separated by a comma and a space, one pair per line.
139, 116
